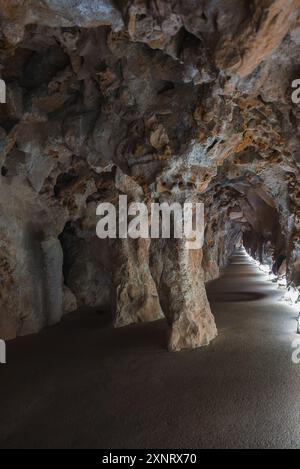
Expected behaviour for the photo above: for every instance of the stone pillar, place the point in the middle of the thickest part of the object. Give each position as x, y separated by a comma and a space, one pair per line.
183, 297
53, 261
137, 297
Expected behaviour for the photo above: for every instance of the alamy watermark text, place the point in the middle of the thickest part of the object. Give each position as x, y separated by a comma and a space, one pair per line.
164, 221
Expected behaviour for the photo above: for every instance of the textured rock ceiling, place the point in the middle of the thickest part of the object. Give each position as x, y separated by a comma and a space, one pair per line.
160, 100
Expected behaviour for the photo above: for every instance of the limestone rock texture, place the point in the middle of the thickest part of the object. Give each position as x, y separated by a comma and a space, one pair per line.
162, 101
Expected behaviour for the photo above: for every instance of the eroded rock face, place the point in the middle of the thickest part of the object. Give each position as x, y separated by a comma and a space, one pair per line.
160, 101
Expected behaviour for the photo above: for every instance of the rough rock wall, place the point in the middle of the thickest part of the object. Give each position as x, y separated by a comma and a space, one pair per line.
161, 101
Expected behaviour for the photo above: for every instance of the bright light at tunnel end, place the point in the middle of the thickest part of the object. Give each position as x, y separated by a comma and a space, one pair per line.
291, 296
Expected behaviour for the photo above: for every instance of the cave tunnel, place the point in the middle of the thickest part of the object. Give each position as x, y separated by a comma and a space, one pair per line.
164, 102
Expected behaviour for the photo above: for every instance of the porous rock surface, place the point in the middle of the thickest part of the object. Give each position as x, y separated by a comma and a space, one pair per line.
163, 100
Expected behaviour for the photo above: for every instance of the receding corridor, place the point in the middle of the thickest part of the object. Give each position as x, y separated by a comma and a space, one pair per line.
82, 384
